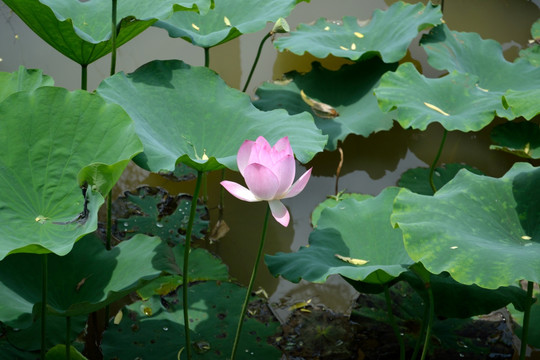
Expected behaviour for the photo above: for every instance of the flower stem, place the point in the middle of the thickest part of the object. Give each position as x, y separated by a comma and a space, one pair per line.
526, 320
432, 167
206, 57
250, 286
430, 320
256, 61
84, 76
68, 337
113, 37
185, 271
44, 276
393, 323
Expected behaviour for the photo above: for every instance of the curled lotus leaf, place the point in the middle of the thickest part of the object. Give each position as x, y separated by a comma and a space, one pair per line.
388, 34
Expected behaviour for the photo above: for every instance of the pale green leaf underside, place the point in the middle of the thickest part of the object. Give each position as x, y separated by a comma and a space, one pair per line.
388, 34
22, 80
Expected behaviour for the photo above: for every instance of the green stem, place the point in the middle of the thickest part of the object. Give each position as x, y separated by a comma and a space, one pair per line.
113, 37
393, 323
526, 320
250, 286
109, 221
185, 272
430, 321
44, 276
84, 77
256, 60
206, 57
432, 167
421, 333
68, 337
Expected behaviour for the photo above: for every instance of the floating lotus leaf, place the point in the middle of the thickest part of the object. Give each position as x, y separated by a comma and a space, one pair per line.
226, 21
524, 102
469, 53
454, 101
388, 34
531, 54
81, 30
356, 106
417, 180
351, 239
188, 114
521, 139
22, 80
53, 141
152, 211
481, 230
155, 329
85, 280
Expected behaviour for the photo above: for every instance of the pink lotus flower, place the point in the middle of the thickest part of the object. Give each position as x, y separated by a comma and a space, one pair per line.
269, 175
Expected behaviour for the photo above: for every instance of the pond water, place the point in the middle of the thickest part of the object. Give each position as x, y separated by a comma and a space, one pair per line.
370, 164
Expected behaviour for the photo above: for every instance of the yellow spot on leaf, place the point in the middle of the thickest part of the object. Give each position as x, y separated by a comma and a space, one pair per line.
433, 107
358, 35
343, 48
41, 219
353, 46
118, 317
147, 310
195, 27
526, 237
327, 28
351, 260
453, 247
226, 20
481, 89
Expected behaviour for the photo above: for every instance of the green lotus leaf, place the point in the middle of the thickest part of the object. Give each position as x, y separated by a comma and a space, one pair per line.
521, 139
354, 101
388, 34
353, 232
449, 294
417, 180
29, 338
58, 352
157, 328
226, 21
11, 352
188, 114
523, 102
481, 230
469, 53
81, 30
152, 211
454, 100
333, 201
85, 280
53, 142
22, 80
530, 54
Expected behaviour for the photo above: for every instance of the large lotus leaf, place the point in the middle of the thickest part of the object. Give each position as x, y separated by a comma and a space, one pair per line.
58, 352
188, 114
481, 230
389, 34
10, 352
155, 329
85, 280
453, 100
469, 53
524, 102
417, 179
22, 80
226, 21
333, 201
349, 91
530, 54
352, 232
153, 211
81, 30
449, 294
521, 139
52, 142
